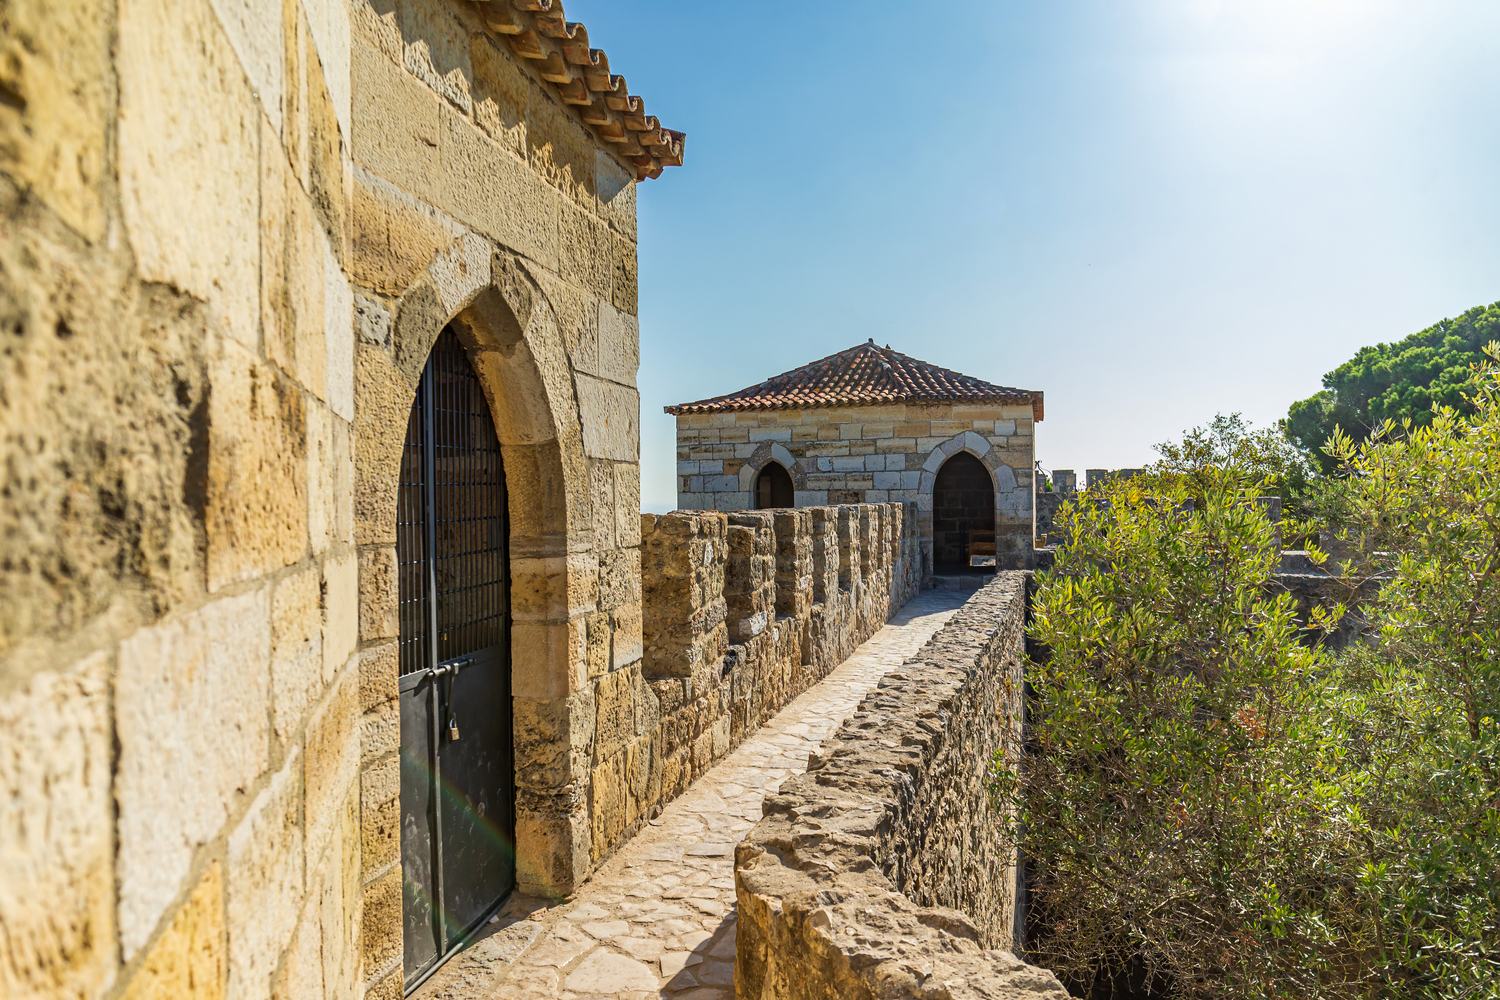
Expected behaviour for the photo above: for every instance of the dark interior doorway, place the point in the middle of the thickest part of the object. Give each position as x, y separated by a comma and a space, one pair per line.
773, 487
963, 515
457, 773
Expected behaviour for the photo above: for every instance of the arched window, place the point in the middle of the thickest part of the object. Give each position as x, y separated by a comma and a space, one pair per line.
963, 515
773, 487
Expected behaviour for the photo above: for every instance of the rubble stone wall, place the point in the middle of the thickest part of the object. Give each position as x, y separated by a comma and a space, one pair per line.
743, 612
862, 454
880, 871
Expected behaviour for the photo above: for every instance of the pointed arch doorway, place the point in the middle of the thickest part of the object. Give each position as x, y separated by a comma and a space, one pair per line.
963, 516
457, 755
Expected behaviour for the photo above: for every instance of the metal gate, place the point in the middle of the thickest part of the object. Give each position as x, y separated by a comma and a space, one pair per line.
457, 776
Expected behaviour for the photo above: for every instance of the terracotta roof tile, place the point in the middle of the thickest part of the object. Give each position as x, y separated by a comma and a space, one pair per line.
559, 50
866, 375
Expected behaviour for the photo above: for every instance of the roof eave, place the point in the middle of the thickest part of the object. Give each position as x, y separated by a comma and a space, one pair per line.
716, 406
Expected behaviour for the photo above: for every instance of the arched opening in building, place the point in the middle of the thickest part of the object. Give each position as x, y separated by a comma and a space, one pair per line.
773, 487
963, 517
457, 750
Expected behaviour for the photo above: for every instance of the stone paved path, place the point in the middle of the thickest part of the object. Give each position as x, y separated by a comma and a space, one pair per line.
657, 920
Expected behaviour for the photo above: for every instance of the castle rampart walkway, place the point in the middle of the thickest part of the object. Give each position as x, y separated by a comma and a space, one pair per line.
658, 920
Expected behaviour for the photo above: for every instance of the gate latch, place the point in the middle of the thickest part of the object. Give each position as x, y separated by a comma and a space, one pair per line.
450, 669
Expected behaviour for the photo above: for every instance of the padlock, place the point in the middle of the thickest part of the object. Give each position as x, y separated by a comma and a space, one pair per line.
452, 729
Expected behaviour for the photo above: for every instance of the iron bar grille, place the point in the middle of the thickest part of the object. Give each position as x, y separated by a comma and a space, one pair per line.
450, 541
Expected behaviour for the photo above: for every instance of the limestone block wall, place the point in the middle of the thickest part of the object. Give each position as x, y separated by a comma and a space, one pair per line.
743, 612
864, 454
233, 230
880, 871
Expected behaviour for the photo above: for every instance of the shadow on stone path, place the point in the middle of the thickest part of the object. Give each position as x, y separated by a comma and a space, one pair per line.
657, 919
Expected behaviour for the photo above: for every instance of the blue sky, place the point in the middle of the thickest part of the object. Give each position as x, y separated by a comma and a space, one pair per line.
1153, 210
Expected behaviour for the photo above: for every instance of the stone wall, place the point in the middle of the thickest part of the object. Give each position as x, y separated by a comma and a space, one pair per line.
869, 454
743, 612
879, 872
233, 229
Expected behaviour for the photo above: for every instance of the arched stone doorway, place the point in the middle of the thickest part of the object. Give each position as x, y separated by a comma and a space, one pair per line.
773, 487
457, 761
963, 513
510, 336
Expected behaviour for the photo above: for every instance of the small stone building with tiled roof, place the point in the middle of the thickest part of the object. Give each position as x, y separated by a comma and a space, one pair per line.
871, 425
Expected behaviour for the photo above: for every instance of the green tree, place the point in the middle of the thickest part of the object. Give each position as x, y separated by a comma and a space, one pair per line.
1409, 379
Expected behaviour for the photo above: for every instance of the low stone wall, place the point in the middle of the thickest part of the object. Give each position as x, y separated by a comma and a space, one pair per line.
741, 613
880, 872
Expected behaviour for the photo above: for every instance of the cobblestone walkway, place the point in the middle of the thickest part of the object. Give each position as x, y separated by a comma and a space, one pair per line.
657, 920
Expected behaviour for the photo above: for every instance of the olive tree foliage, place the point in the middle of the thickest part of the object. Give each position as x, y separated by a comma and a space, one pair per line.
1164, 801
1210, 799
1263, 455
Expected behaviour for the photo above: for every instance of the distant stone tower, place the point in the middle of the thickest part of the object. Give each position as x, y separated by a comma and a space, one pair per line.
869, 425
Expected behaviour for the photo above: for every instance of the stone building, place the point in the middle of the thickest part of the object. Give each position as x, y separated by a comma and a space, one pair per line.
870, 425
315, 314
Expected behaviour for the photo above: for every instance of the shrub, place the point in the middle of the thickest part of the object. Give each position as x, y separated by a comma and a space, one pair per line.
1212, 802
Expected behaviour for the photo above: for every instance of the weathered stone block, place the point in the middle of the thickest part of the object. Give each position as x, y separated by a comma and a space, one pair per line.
489, 188
340, 612
549, 735
380, 930
257, 471
338, 335
616, 191
330, 480
615, 706
585, 247
553, 853
336, 892
611, 417
598, 631
191, 705
559, 148
189, 959
301, 973
500, 93
56, 817
557, 657
380, 815
625, 289
297, 675
188, 168
437, 49
627, 645
378, 593
331, 762
328, 21
394, 237
394, 123
255, 33
265, 883
380, 418
607, 804
619, 578
53, 131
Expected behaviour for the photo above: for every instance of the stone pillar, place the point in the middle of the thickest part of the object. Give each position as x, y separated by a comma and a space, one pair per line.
682, 576
825, 553
794, 563
750, 577
848, 534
